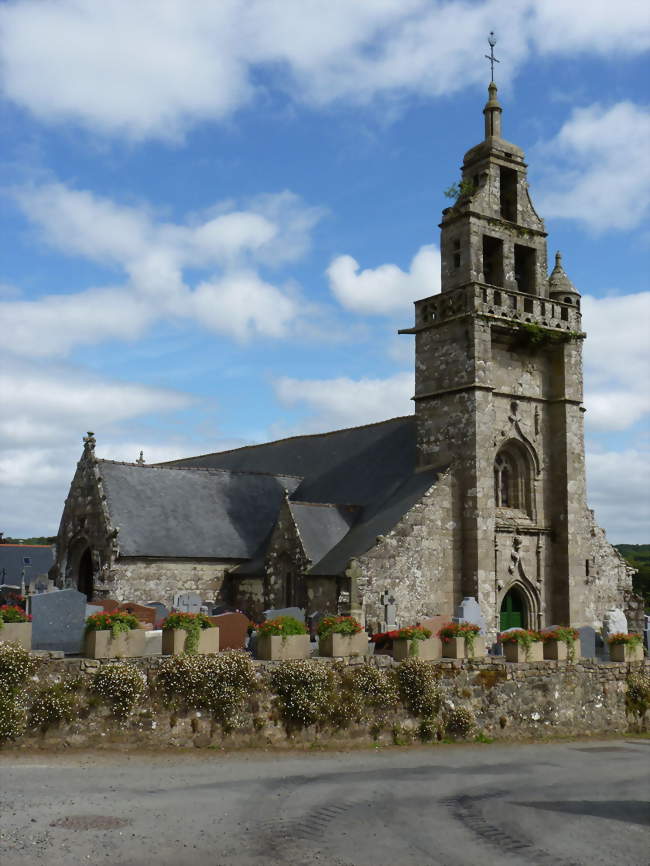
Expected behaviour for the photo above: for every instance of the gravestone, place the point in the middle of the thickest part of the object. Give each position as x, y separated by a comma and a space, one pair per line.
296, 612
10, 595
614, 621
161, 612
92, 609
313, 621
233, 629
40, 584
109, 605
58, 620
140, 611
587, 642
187, 602
469, 610
434, 623
153, 643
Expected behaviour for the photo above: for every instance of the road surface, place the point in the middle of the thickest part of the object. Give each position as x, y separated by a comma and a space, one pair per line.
562, 804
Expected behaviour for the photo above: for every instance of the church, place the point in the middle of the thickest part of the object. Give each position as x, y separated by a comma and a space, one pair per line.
481, 492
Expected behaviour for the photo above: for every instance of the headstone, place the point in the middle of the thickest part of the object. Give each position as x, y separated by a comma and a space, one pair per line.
434, 623
233, 630
58, 620
296, 612
40, 584
153, 642
109, 605
187, 602
141, 612
587, 642
313, 621
10, 595
161, 612
614, 622
469, 610
93, 609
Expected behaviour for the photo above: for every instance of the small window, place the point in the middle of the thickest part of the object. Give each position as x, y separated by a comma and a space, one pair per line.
457, 244
508, 193
456, 260
525, 266
568, 301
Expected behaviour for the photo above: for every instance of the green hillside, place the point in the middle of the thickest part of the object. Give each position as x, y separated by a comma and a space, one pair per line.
638, 556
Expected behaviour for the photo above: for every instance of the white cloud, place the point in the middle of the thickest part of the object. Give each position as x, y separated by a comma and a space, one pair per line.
229, 242
156, 67
344, 402
618, 484
386, 289
616, 360
601, 171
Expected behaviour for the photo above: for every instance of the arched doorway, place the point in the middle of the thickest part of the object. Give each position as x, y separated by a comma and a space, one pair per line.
514, 613
85, 574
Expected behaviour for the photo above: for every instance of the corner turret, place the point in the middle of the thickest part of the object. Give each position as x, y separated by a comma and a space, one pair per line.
560, 287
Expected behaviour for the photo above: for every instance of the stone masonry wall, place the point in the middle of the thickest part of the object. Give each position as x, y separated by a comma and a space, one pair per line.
507, 701
158, 579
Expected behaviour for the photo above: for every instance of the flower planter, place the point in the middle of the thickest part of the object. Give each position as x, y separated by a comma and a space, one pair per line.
343, 644
173, 641
274, 647
428, 649
454, 648
515, 652
102, 645
558, 651
17, 632
622, 652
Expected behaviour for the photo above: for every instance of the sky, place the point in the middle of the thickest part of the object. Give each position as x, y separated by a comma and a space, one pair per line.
215, 216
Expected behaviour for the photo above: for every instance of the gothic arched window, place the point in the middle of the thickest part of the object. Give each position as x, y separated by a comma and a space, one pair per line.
512, 478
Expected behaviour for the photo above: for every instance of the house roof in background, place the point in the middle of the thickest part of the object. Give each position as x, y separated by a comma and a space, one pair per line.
12, 561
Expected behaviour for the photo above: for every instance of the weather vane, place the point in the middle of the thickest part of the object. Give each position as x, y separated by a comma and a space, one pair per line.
492, 41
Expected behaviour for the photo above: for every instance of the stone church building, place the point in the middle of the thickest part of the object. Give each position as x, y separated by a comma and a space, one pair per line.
481, 492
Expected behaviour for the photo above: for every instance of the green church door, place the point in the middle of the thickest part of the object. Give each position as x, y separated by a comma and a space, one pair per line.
512, 611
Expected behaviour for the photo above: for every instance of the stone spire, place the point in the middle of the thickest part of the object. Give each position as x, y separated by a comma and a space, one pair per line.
141, 461
560, 287
492, 113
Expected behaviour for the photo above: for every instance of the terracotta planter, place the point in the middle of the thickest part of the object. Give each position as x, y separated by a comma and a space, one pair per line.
273, 647
515, 652
558, 650
622, 652
343, 645
428, 649
455, 648
173, 641
17, 632
127, 644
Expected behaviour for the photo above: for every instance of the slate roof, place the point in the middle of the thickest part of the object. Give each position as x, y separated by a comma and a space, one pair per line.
12, 562
321, 526
173, 513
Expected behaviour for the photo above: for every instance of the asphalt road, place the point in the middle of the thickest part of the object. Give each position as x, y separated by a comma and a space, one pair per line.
564, 804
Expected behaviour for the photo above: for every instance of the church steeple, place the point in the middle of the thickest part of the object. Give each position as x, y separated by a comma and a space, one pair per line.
492, 112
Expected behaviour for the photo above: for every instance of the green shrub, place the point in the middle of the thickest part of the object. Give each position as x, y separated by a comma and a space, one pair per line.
346, 625
50, 706
13, 718
459, 721
220, 684
637, 698
120, 686
117, 623
304, 692
428, 730
17, 665
418, 687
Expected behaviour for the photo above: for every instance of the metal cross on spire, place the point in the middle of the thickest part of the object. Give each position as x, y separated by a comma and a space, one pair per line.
492, 41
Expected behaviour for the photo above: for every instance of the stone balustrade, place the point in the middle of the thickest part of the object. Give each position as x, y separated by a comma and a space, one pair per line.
482, 299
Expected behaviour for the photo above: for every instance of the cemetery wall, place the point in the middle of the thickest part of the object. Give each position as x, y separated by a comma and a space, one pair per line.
504, 701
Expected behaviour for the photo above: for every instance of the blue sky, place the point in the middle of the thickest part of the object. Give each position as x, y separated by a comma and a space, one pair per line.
216, 216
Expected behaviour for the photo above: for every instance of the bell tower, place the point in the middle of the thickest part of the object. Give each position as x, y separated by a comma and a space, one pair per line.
498, 393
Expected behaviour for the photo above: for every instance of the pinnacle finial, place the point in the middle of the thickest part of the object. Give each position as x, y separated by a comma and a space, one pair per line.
558, 259
492, 41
